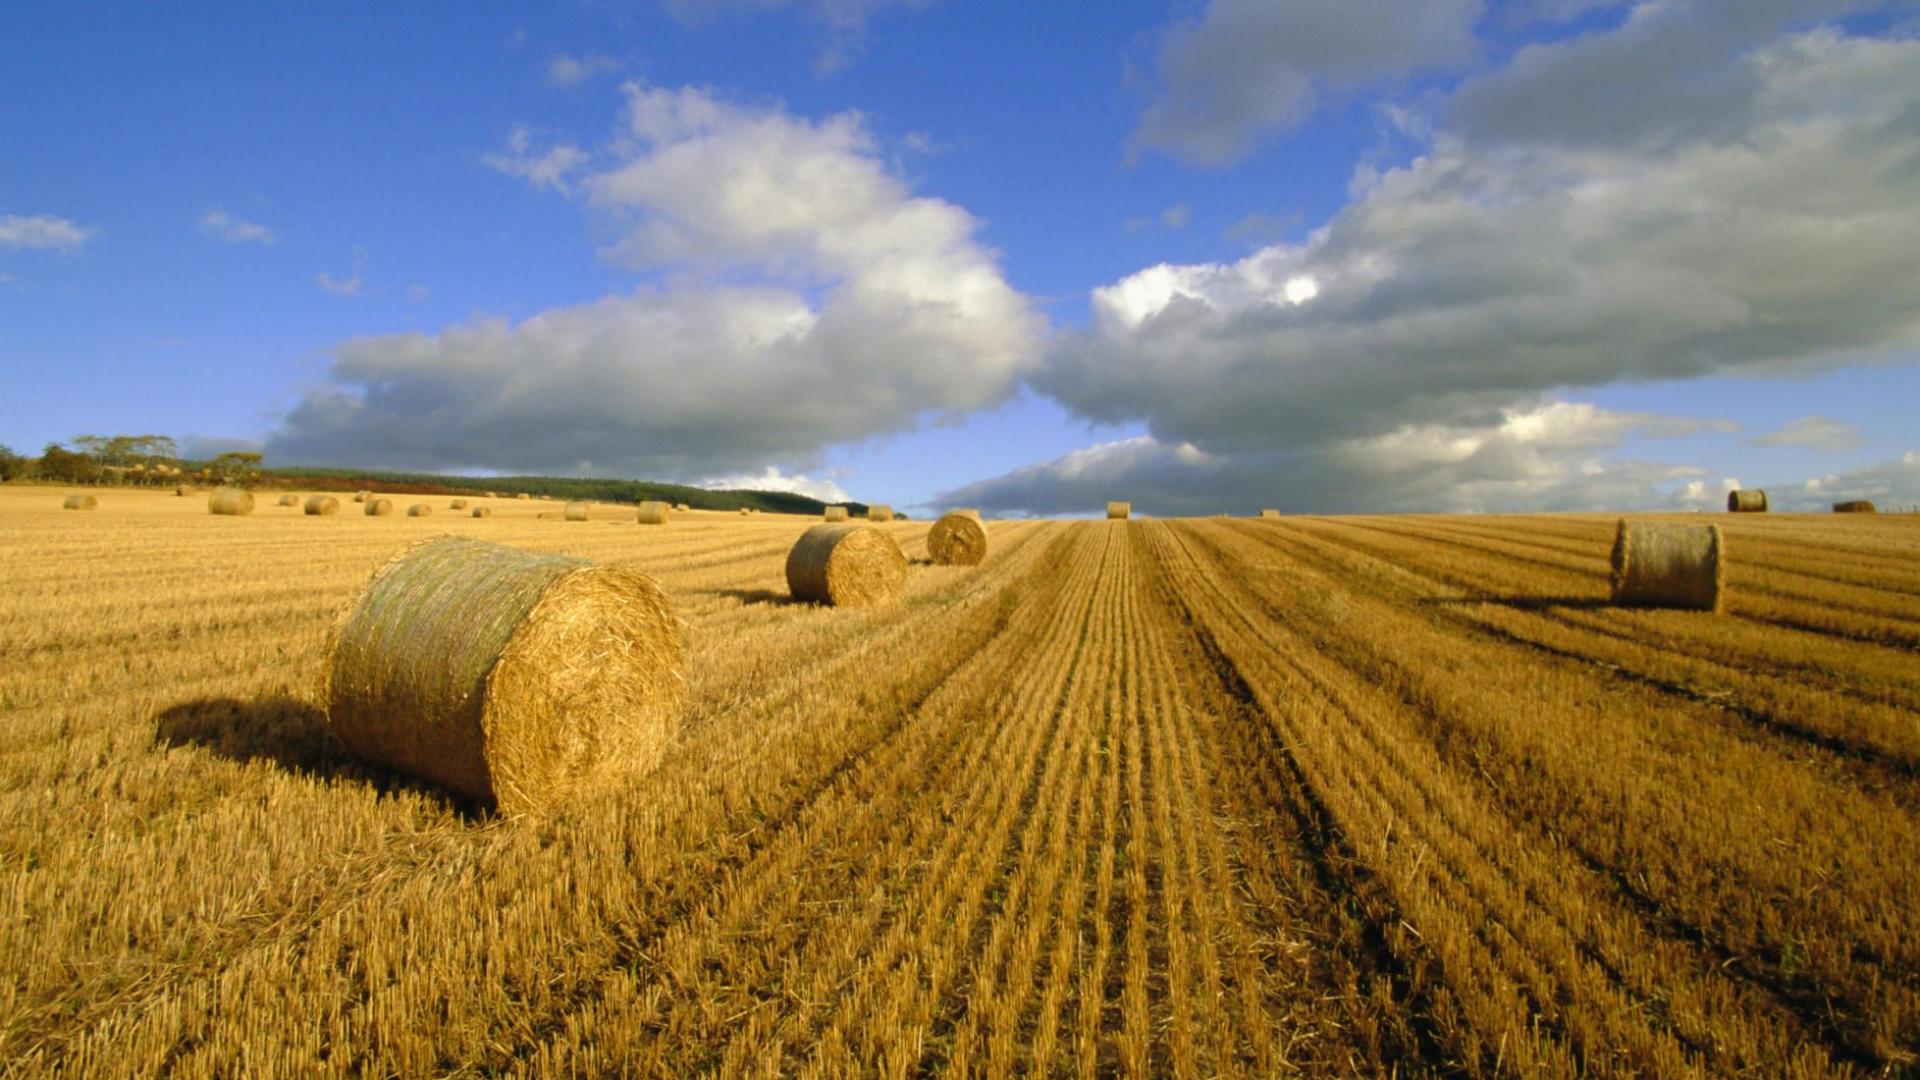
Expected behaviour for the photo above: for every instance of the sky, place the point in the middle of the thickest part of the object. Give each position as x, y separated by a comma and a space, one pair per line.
1329, 256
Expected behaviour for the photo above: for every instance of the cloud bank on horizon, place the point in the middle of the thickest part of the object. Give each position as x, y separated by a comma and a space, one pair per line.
1686, 190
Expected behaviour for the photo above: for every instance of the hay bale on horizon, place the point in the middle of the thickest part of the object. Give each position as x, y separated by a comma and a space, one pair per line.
880, 513
1667, 564
379, 507
483, 511
1747, 502
835, 513
461, 663
321, 506
1119, 511
576, 511
419, 510
1268, 513
523, 495
492, 494
1855, 506
744, 512
80, 502
457, 504
847, 565
289, 500
230, 502
651, 512
680, 508
959, 538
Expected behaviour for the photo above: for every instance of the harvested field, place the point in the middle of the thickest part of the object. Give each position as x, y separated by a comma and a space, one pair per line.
1175, 797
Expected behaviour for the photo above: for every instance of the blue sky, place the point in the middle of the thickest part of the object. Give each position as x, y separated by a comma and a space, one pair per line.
1334, 256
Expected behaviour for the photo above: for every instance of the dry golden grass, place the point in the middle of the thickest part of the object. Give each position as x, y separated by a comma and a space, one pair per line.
1202, 797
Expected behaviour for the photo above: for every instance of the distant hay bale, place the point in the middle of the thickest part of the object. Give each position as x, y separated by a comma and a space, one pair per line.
1854, 506
482, 511
847, 565
379, 507
512, 677
958, 539
836, 513
1268, 512
232, 502
680, 508
745, 511
181, 491
321, 505
1119, 511
492, 494
879, 513
457, 504
362, 496
1664, 564
419, 510
523, 495
651, 513
81, 502
547, 515
576, 511
1747, 502
289, 500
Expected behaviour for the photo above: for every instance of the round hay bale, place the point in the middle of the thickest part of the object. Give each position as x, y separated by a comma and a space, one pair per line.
180, 491
958, 539
1854, 506
1664, 564
492, 494
81, 502
879, 513
512, 677
652, 513
1269, 513
576, 511
289, 500
419, 510
362, 496
744, 512
1747, 502
457, 504
321, 506
379, 507
482, 511
1119, 511
547, 515
232, 502
835, 513
847, 565
680, 508
523, 495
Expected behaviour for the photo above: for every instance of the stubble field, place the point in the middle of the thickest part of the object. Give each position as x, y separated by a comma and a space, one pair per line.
1196, 797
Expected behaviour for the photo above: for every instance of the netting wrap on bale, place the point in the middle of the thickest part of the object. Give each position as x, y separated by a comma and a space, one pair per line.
651, 513
80, 502
513, 677
321, 505
847, 565
958, 539
231, 502
576, 511
1666, 564
1854, 506
1119, 511
834, 513
1747, 502
379, 507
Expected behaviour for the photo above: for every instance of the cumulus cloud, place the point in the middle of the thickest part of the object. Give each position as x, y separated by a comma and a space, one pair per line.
1814, 432
1552, 456
42, 232
221, 225
1474, 279
542, 167
825, 489
845, 20
1889, 484
565, 70
801, 296
1250, 68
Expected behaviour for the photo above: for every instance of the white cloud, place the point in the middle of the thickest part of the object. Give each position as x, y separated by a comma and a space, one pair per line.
338, 286
42, 232
1889, 485
224, 226
1251, 68
542, 168
801, 296
565, 70
1814, 432
825, 489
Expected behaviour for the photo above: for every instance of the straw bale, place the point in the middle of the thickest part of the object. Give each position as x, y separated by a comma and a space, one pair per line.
847, 565
362, 496
457, 504
836, 513
231, 502
745, 512
1747, 502
523, 495
576, 511
1269, 512
547, 515
289, 500
321, 505
81, 502
482, 511
680, 508
651, 513
879, 513
1119, 511
1854, 506
181, 491
516, 678
379, 507
958, 539
419, 510
1667, 564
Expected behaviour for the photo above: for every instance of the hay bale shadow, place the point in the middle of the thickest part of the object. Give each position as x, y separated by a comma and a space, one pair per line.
1524, 603
289, 733
760, 596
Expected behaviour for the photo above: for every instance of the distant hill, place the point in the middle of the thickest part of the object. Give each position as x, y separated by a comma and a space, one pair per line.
600, 490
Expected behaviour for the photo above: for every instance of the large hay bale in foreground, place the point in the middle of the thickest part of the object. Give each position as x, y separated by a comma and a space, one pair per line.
576, 511
457, 504
80, 502
513, 677
419, 510
321, 505
1855, 506
379, 507
1665, 564
958, 539
1119, 511
289, 500
651, 513
1747, 502
232, 502
834, 513
847, 565
482, 511
879, 513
